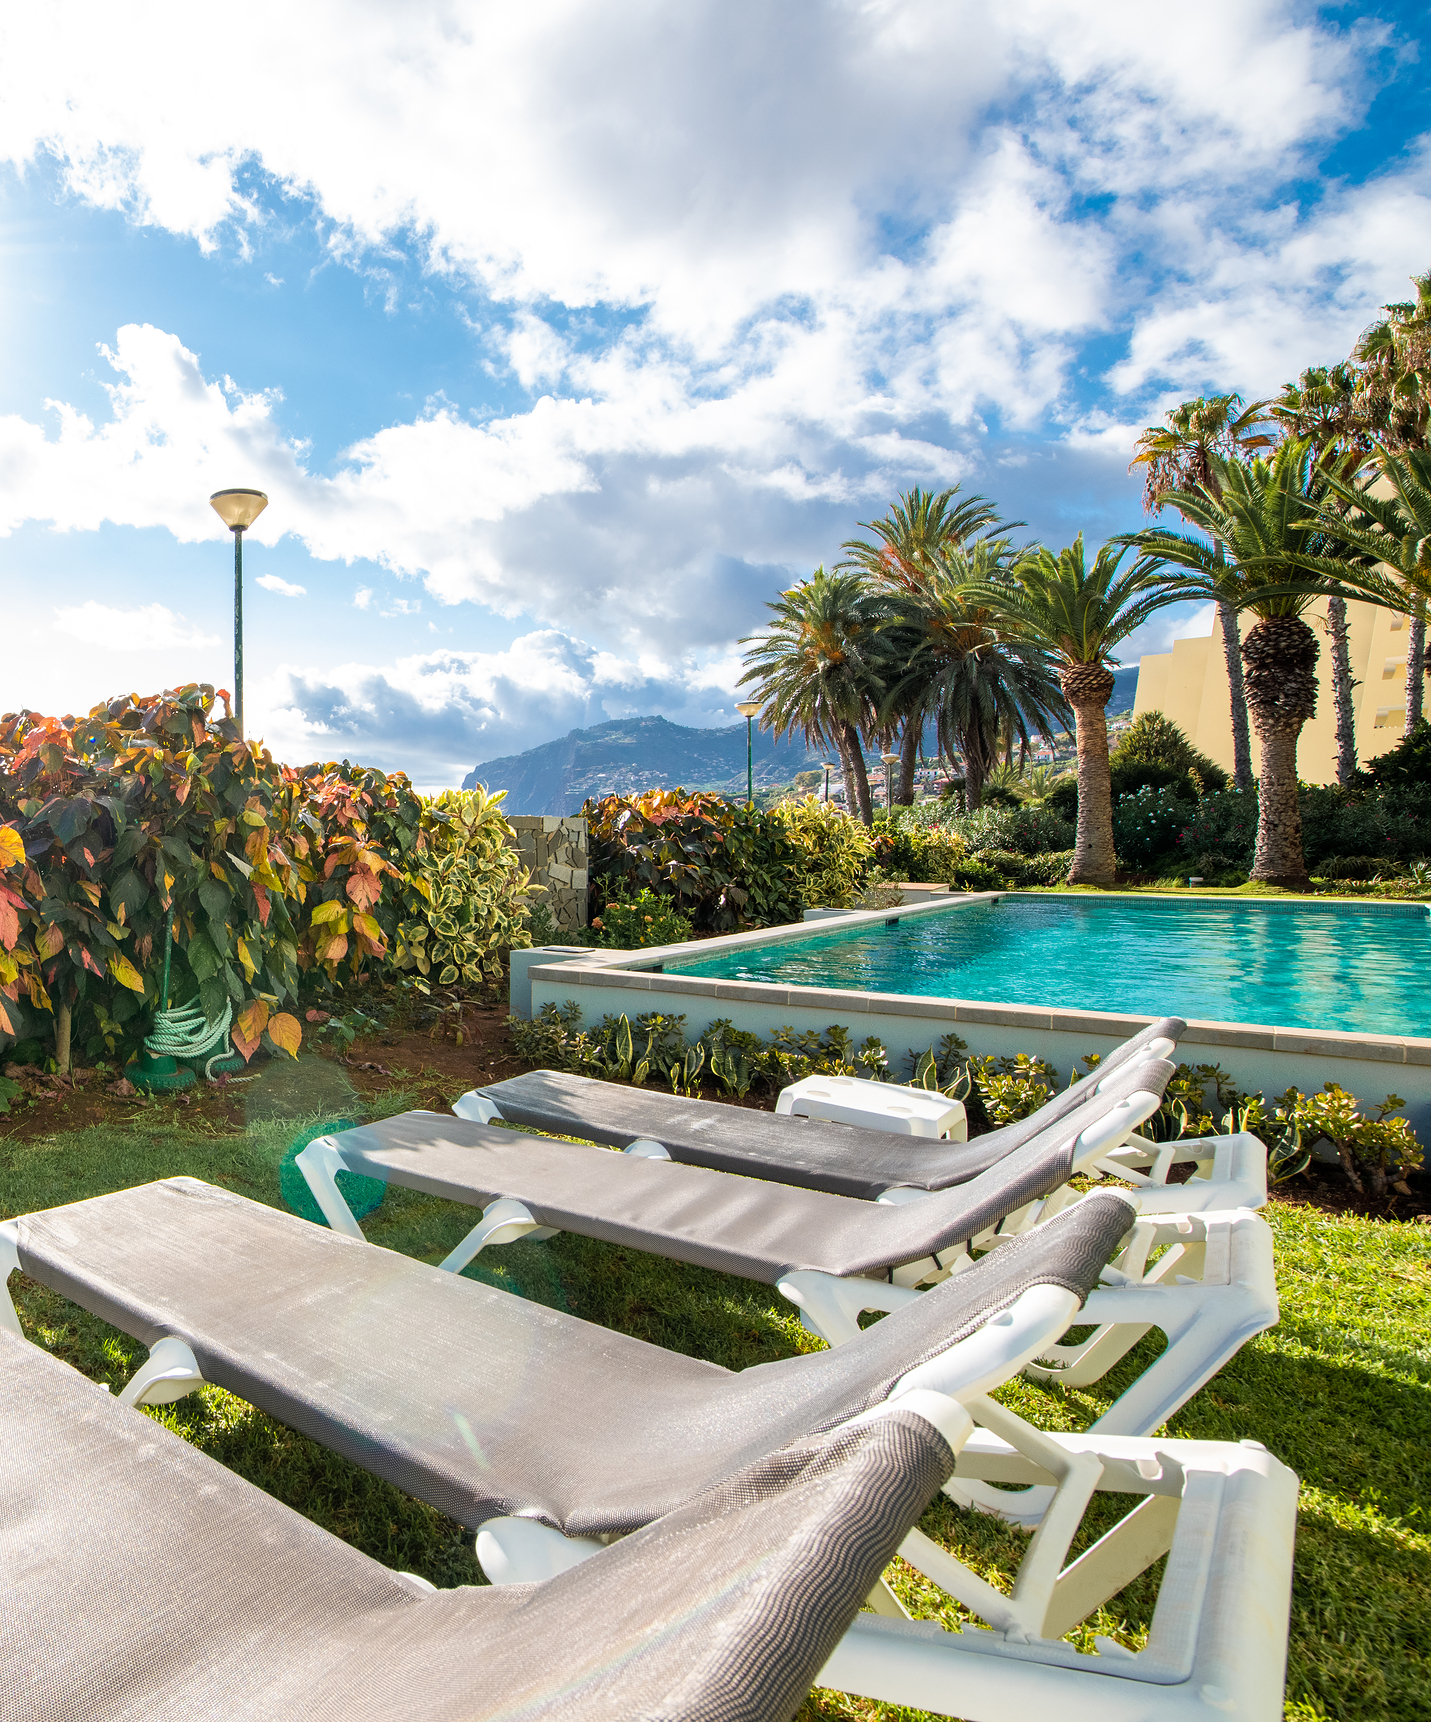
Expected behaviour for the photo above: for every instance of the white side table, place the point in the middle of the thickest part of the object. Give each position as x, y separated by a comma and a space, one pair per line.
876, 1106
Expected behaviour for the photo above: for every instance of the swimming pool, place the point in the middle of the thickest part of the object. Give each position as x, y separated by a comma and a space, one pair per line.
1355, 968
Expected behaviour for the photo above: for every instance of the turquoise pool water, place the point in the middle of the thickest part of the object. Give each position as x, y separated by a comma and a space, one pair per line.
1365, 970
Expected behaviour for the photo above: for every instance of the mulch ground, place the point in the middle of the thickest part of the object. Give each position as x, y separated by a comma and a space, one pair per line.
433, 1067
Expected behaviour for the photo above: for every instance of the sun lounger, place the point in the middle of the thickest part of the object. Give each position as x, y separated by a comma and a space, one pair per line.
434, 1381
846, 1160
550, 1435
142, 1580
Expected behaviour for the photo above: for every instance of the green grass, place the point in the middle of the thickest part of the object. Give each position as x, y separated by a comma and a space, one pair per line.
1340, 1390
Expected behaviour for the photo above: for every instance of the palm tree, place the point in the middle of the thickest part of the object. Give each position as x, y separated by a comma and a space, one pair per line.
816, 670
947, 657
919, 528
1078, 615
1387, 531
1183, 455
1324, 406
1393, 359
1268, 554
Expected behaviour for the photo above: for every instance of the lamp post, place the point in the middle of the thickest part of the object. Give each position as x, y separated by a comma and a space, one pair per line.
238, 509
749, 710
828, 768
890, 761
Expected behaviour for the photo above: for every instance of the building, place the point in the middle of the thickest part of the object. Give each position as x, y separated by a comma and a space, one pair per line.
1189, 685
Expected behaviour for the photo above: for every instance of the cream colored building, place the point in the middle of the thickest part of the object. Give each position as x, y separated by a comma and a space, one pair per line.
1189, 685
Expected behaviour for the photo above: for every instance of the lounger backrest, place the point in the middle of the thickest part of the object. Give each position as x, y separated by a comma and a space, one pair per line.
1041, 1165
141, 1578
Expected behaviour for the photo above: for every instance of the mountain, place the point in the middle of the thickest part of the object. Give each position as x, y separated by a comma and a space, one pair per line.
632, 754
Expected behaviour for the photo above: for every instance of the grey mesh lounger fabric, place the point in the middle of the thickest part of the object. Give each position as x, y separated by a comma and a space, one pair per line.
475, 1400
141, 1580
809, 1152
715, 1219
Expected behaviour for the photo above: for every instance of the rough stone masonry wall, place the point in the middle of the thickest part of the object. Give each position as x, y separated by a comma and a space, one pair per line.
554, 851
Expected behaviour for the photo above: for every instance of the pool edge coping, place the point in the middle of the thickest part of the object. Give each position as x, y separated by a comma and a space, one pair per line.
647, 974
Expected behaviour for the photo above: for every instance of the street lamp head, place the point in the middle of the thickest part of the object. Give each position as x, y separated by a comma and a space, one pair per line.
890, 758
748, 708
238, 509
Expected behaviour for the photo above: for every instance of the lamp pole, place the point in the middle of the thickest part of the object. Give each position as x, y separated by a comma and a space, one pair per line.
749, 710
828, 768
890, 761
238, 509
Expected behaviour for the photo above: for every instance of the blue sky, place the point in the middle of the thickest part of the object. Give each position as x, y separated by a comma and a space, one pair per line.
561, 341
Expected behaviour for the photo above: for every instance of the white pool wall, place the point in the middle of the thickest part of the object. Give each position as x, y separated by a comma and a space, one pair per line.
1256, 1056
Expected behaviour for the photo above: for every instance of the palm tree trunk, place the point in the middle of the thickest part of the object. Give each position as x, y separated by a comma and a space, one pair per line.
1342, 692
842, 753
856, 776
1280, 654
1241, 740
1088, 689
1415, 669
909, 757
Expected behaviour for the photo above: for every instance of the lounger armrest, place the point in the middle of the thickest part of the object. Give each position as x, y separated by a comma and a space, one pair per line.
1114, 1129
831, 1307
476, 1108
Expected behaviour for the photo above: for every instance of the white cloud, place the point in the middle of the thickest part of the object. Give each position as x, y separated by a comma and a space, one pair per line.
437, 714
284, 588
147, 628
770, 262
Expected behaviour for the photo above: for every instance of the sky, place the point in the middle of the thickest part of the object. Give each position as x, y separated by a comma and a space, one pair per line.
564, 336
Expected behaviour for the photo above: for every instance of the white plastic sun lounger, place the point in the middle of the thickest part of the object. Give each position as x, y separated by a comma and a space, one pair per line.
852, 1159
142, 1580
375, 1355
524, 1422
833, 1256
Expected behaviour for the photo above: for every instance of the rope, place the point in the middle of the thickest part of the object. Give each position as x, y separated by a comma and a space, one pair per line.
186, 1034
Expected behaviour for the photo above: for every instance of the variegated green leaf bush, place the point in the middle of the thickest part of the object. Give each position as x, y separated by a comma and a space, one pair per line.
463, 892
836, 852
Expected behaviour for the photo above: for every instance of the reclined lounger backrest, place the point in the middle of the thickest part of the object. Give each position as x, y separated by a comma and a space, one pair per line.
142, 1580
844, 1159
477, 1401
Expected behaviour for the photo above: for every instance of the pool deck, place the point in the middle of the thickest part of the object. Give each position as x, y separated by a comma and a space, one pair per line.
1257, 1056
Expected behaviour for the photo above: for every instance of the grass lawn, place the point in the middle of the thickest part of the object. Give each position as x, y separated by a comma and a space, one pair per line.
1341, 1390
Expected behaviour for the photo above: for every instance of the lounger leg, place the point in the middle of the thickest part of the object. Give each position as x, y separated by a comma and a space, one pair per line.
9, 1264
502, 1222
171, 1372
320, 1163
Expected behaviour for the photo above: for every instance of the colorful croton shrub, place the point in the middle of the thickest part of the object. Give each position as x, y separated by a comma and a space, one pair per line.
153, 813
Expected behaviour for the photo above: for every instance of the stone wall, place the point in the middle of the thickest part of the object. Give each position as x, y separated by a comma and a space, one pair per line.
553, 850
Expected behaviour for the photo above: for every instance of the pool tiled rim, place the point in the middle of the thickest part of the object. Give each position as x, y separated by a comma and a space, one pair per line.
1257, 1055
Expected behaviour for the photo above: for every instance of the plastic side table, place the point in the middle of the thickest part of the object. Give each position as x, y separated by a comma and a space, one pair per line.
876, 1106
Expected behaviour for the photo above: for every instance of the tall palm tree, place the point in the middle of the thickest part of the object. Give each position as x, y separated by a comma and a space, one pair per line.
1386, 532
1393, 359
920, 527
947, 656
1264, 547
816, 669
1325, 407
1183, 455
1078, 615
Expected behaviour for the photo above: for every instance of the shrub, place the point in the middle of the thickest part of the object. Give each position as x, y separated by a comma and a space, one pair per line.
463, 892
1351, 867
1224, 823
1007, 863
1026, 830
1154, 743
1408, 764
918, 854
1050, 869
972, 875
1011, 1088
629, 924
726, 866
835, 851
1147, 826
1385, 1149
148, 809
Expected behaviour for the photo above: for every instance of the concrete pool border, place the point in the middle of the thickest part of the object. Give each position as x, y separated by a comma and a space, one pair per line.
1257, 1056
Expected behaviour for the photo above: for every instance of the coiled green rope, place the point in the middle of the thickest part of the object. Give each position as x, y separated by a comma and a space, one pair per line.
187, 1034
